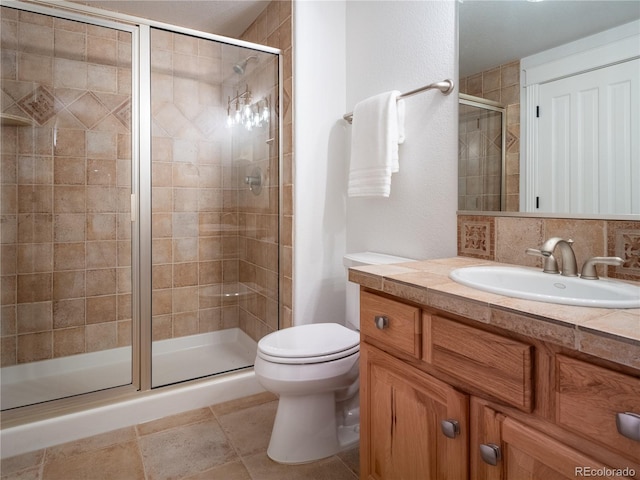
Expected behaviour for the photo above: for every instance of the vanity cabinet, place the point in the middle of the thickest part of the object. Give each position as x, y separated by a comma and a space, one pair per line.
501, 367
442, 398
402, 405
509, 449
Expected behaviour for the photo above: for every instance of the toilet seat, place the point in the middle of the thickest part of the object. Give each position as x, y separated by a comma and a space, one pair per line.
313, 343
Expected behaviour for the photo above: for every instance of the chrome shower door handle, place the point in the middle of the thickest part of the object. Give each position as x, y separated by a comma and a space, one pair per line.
381, 321
628, 425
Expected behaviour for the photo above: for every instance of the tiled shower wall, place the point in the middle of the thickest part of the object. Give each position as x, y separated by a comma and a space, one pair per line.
258, 211
215, 242
505, 239
52, 325
66, 230
193, 237
502, 85
479, 159
250, 254
273, 28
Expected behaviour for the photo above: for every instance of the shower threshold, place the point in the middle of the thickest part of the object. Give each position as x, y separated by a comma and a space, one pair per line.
174, 360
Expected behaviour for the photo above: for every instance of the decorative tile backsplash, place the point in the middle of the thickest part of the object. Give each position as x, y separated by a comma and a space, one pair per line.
623, 240
505, 239
39, 105
476, 237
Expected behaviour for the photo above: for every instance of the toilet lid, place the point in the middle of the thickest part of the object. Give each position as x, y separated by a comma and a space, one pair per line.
304, 343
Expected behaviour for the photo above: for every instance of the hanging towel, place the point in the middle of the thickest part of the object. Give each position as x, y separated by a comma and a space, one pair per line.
378, 128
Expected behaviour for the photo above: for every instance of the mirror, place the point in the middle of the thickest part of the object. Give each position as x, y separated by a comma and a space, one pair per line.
493, 37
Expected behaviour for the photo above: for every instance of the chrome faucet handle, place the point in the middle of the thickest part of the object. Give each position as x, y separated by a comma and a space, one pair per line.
589, 271
550, 265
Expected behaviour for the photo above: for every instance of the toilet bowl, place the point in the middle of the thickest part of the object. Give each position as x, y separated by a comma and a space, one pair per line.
313, 419
314, 370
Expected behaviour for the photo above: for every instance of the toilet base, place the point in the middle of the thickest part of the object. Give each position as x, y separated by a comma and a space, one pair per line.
305, 429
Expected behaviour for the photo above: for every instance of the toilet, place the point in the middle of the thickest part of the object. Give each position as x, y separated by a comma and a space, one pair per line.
314, 369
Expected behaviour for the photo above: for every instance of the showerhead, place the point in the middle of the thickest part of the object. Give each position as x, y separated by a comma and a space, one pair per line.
240, 66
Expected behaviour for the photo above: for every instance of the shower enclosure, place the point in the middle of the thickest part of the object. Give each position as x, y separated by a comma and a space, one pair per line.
481, 154
140, 203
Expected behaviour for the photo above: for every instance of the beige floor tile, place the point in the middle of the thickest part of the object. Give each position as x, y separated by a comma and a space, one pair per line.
185, 450
186, 418
229, 471
250, 429
88, 444
201, 444
20, 463
242, 403
262, 467
351, 458
120, 461
32, 473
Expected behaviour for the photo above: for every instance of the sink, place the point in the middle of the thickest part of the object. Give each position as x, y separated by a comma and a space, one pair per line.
544, 287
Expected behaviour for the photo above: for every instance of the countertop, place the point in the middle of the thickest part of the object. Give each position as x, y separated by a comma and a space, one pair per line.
612, 334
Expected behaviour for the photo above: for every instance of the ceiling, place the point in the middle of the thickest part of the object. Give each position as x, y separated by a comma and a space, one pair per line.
223, 17
492, 32
496, 32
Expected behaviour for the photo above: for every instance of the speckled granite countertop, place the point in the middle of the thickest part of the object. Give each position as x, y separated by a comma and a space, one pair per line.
606, 333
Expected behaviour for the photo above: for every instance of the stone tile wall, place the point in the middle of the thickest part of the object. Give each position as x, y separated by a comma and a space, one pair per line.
66, 234
66, 252
273, 27
502, 84
505, 239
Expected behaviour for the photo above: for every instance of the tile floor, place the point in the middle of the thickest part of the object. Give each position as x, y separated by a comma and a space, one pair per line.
227, 441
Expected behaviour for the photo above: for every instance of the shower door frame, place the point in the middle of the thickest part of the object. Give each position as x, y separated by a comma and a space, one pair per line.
141, 163
485, 104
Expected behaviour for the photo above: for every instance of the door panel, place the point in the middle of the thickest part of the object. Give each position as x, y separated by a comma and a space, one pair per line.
400, 427
588, 156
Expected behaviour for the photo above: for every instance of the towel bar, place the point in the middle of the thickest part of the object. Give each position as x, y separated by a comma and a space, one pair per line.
446, 87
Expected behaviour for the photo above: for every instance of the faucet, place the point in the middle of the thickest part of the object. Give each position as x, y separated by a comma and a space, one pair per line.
569, 265
550, 264
589, 271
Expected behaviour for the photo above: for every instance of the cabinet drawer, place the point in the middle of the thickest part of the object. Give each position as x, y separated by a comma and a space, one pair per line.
589, 397
499, 366
402, 329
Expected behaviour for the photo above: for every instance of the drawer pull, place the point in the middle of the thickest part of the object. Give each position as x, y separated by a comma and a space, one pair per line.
381, 321
628, 425
450, 428
490, 453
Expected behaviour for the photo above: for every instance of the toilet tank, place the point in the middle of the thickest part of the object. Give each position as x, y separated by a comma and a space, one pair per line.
352, 314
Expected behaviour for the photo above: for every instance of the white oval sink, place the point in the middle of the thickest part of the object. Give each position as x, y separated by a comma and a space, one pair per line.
544, 287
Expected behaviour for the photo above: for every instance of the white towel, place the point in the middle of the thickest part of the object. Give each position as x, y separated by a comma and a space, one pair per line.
378, 128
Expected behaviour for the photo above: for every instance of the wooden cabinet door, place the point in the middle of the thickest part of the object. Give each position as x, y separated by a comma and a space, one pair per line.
527, 454
401, 413
530, 455
588, 398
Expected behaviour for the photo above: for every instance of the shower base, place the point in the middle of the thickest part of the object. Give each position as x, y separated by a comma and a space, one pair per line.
174, 360
146, 406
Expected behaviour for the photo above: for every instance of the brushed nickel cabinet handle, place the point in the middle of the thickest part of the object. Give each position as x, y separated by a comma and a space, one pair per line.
381, 321
450, 428
490, 453
628, 425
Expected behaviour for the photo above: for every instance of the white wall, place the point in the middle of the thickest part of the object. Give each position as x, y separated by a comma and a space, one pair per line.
404, 45
343, 53
320, 166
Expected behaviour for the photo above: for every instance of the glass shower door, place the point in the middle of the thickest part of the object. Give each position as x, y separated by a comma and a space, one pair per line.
65, 211
215, 198
481, 154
